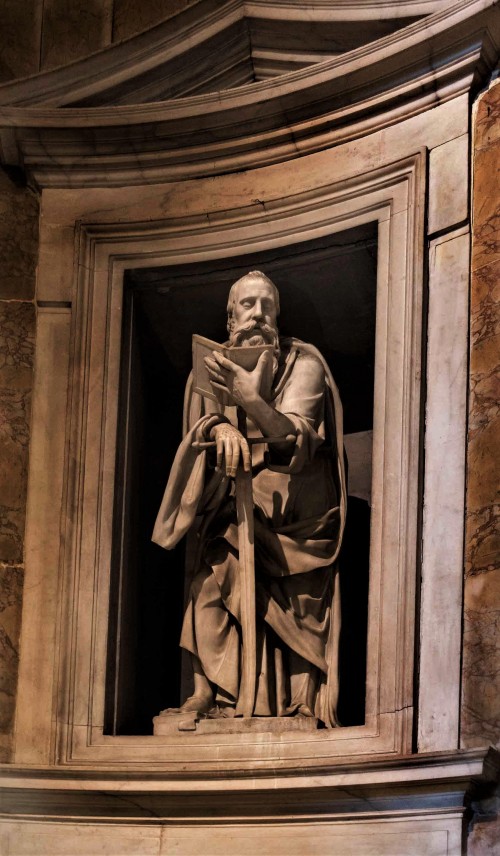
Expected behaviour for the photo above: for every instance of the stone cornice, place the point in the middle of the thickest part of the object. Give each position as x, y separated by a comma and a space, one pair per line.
481, 764
419, 784
435, 59
188, 35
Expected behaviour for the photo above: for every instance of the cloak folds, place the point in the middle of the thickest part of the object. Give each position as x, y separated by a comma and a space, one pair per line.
299, 513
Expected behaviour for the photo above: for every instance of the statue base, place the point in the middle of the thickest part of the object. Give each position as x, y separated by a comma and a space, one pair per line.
175, 723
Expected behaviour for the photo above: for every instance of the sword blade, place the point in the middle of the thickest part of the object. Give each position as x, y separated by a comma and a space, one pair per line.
244, 511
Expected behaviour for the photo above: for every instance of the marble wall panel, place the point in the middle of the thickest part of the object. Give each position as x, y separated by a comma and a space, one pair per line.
17, 321
72, 29
481, 656
448, 184
18, 240
430, 834
443, 513
17, 331
484, 831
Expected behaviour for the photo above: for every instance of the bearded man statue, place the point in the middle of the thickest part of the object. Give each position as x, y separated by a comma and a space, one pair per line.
299, 499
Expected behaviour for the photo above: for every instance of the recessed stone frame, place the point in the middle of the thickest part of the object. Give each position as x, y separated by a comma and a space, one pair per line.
73, 733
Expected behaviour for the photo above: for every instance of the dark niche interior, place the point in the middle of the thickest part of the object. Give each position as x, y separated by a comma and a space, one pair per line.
328, 293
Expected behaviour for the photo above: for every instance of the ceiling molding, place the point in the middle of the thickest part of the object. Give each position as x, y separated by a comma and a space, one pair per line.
251, 124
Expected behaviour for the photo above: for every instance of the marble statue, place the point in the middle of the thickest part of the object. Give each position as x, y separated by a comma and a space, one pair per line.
288, 548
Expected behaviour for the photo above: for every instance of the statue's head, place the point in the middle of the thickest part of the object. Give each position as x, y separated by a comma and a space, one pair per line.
252, 309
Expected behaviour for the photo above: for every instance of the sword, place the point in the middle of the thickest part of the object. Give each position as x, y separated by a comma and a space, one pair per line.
244, 515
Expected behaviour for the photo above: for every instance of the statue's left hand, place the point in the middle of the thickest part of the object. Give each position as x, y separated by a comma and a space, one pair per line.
231, 448
243, 387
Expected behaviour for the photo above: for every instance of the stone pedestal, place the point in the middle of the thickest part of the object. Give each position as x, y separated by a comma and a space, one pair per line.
171, 723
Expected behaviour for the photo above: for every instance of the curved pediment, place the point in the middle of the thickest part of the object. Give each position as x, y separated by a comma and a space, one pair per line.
211, 90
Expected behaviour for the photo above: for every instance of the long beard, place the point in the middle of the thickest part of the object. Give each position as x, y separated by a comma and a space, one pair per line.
252, 334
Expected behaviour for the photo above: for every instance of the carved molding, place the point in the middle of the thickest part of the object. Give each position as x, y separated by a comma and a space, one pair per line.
430, 782
151, 65
437, 58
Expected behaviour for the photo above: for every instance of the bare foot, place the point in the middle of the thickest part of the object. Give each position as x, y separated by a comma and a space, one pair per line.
198, 704
304, 710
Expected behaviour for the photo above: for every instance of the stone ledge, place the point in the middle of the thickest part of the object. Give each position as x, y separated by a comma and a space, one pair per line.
409, 785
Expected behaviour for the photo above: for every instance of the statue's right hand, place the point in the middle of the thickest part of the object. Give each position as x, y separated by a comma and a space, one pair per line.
231, 445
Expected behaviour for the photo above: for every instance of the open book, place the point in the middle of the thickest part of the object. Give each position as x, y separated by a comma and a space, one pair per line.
247, 357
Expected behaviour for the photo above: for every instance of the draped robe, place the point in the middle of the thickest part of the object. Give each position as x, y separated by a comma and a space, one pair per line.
299, 516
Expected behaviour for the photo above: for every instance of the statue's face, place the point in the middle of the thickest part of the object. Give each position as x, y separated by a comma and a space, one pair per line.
254, 303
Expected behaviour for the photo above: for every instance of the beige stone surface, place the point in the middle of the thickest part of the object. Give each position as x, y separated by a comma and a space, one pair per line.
42, 552
448, 184
260, 191
481, 654
443, 516
52, 839
433, 836
173, 723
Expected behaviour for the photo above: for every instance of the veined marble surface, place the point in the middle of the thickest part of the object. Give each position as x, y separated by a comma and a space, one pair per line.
16, 359
18, 257
481, 660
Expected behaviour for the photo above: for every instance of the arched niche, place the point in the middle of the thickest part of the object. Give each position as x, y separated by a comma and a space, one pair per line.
328, 291
368, 227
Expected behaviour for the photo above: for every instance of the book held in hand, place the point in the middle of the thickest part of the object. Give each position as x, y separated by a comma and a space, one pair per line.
247, 357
